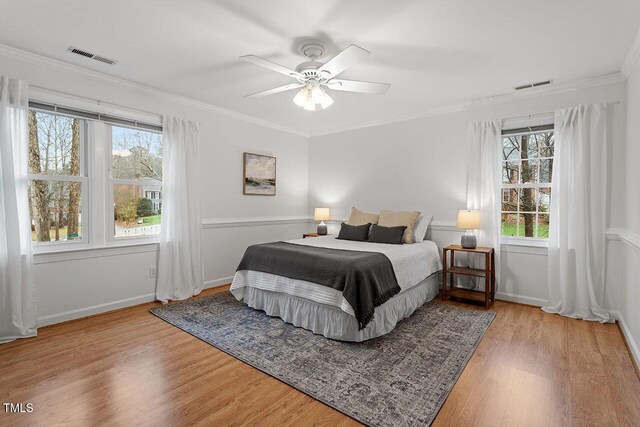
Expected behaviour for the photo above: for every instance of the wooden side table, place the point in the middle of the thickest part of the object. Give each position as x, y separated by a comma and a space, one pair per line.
305, 235
489, 274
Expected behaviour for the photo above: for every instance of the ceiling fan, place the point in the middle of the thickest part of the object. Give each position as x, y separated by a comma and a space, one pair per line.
314, 76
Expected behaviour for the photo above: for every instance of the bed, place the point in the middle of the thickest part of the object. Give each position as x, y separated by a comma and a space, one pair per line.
325, 310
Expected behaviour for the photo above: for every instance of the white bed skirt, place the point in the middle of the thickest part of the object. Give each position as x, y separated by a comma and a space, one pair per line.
334, 323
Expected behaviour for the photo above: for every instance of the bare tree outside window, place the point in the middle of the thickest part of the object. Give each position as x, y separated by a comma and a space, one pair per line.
527, 166
56, 183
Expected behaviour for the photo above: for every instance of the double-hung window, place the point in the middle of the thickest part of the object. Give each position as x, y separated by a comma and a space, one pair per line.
136, 182
58, 184
94, 179
527, 166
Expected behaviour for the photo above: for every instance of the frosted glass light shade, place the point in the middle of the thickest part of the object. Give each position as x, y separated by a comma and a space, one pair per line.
322, 214
301, 98
469, 219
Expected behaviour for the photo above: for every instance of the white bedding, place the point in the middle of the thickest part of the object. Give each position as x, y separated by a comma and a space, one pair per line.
411, 263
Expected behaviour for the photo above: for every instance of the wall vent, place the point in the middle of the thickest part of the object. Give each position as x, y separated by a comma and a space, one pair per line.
530, 85
91, 55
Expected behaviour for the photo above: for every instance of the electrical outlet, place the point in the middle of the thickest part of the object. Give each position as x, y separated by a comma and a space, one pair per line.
152, 272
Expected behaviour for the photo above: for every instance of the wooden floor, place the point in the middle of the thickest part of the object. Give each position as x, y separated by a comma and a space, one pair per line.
131, 368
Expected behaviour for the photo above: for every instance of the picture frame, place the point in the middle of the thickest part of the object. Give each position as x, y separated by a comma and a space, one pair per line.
258, 175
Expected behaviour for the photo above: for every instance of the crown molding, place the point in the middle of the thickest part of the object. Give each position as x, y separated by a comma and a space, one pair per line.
54, 64
551, 89
632, 56
57, 65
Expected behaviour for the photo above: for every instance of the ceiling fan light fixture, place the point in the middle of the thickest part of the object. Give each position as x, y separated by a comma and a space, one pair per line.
326, 101
301, 97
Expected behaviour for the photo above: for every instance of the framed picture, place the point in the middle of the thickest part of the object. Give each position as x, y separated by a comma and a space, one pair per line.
259, 175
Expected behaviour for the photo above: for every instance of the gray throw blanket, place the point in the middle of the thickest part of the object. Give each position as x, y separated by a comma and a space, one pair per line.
365, 279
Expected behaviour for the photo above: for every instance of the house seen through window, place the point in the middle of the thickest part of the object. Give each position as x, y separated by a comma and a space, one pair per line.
136, 171
527, 165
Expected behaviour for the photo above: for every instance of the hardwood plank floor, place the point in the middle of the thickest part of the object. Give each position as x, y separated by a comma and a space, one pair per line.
128, 367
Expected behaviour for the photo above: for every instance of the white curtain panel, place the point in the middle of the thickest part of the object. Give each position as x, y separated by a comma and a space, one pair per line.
577, 221
180, 259
483, 187
17, 297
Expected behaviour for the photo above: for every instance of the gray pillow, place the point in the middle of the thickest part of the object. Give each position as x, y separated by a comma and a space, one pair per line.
392, 235
359, 233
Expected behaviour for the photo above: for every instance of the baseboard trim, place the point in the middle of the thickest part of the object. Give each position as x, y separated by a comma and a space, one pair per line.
94, 309
536, 302
217, 282
631, 343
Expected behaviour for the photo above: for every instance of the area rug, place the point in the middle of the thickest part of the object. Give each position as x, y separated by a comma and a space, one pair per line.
402, 378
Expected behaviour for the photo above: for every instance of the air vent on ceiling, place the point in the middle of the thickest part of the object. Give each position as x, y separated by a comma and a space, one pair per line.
91, 55
530, 85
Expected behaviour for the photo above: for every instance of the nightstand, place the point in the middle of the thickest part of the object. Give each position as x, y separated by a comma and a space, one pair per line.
489, 274
305, 235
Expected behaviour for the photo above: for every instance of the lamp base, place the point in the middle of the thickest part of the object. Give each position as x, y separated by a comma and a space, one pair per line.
322, 229
469, 241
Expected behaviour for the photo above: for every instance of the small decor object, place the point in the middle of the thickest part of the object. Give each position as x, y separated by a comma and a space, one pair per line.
259, 175
469, 220
322, 215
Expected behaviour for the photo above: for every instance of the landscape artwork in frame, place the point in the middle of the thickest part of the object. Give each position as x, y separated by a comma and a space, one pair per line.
259, 177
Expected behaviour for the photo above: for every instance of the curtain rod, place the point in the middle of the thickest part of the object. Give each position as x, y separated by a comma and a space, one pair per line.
98, 102
549, 113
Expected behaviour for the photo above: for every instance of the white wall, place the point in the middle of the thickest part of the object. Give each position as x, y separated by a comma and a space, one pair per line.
421, 164
74, 285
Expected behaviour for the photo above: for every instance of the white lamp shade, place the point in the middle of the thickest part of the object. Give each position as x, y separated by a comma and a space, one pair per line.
322, 214
469, 219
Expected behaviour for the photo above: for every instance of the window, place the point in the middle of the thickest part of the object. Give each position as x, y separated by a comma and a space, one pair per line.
57, 177
94, 179
136, 181
527, 165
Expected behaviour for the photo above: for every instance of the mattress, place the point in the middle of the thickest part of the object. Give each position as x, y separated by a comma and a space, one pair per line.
411, 263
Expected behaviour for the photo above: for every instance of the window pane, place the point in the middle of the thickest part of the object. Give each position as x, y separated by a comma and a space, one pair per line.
530, 148
527, 225
510, 172
546, 169
55, 208
137, 210
509, 200
54, 144
510, 148
136, 154
527, 199
547, 144
509, 224
543, 200
542, 228
529, 171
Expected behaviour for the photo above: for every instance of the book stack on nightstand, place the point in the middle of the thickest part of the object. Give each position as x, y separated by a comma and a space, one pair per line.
489, 293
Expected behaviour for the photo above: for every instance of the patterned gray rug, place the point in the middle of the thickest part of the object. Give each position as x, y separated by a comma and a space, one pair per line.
402, 378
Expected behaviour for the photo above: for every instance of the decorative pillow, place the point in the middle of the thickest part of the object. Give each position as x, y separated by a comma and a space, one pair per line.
358, 217
420, 228
392, 235
396, 218
359, 233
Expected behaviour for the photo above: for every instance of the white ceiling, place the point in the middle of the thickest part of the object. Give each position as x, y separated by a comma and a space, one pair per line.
434, 53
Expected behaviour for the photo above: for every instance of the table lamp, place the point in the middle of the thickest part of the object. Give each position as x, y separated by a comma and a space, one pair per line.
469, 220
322, 215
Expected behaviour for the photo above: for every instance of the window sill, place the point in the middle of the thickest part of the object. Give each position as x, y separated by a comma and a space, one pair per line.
524, 246
85, 251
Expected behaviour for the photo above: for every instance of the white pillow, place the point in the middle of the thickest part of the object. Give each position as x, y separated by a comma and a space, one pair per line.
420, 227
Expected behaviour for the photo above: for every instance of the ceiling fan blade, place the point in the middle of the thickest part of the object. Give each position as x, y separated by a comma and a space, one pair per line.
345, 59
356, 86
275, 90
271, 65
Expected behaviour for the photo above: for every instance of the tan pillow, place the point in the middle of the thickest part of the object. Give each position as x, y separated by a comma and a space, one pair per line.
358, 217
396, 218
